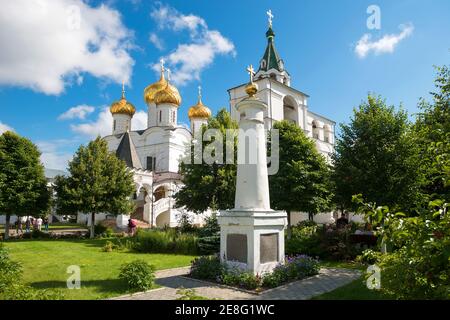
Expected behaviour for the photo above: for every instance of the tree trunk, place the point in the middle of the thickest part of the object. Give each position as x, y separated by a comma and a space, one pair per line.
92, 225
289, 229
7, 222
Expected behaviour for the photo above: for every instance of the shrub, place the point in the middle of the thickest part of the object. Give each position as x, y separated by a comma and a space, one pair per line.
209, 237
10, 271
100, 229
139, 275
240, 278
36, 234
295, 268
369, 256
186, 244
169, 241
207, 268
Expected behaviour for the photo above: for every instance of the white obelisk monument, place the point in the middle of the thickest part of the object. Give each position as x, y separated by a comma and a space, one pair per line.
251, 234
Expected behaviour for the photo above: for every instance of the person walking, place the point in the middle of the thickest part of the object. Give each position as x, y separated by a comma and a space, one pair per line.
39, 223
19, 229
27, 225
131, 227
46, 224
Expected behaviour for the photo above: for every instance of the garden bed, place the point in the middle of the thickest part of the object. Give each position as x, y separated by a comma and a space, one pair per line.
295, 268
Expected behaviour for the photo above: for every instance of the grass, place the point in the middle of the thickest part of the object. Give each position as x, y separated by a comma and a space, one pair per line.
45, 264
356, 290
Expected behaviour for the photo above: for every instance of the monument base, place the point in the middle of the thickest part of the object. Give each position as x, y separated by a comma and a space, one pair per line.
252, 240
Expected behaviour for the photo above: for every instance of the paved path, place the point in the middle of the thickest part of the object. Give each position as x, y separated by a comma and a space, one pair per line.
171, 280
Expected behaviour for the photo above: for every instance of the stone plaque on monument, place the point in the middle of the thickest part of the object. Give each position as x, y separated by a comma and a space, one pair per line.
268, 248
237, 247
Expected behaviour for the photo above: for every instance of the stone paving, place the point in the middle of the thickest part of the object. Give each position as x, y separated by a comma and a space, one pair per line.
171, 280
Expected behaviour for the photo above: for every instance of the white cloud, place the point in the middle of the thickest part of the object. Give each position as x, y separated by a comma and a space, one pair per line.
156, 41
52, 155
78, 112
51, 44
386, 44
4, 128
188, 60
102, 126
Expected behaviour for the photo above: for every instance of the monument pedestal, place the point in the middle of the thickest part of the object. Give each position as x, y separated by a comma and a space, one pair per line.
252, 240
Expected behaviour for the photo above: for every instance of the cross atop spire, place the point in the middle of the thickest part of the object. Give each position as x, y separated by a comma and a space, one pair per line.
168, 74
123, 89
199, 93
251, 72
271, 16
162, 62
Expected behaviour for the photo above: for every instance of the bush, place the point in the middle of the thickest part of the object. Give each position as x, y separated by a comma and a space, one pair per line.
243, 279
10, 271
36, 234
369, 256
139, 275
295, 268
168, 241
209, 237
207, 268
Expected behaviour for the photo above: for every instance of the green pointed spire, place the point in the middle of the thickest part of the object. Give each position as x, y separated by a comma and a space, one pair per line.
271, 59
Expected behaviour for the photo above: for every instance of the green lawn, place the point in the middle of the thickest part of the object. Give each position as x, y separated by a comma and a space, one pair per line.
356, 290
45, 263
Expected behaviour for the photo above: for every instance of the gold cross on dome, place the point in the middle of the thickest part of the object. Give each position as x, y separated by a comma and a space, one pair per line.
123, 89
251, 72
271, 16
168, 74
199, 92
162, 62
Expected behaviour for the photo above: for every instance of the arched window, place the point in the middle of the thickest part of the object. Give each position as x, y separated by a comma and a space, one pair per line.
315, 130
290, 109
160, 116
328, 133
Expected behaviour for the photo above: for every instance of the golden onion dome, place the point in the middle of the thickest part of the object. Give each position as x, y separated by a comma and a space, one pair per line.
169, 94
123, 106
199, 111
151, 90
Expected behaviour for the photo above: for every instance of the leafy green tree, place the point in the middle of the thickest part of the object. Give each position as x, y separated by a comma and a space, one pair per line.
209, 185
432, 132
98, 182
23, 187
303, 180
377, 157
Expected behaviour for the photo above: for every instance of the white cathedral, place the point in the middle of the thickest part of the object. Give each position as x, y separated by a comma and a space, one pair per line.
154, 154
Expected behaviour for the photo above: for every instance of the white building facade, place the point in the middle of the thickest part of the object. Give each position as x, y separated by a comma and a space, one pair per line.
154, 154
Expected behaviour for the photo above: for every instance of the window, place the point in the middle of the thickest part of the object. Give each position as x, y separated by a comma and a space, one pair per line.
160, 116
151, 163
114, 125
315, 130
173, 116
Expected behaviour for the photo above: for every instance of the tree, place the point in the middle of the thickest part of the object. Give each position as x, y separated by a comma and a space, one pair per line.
209, 185
98, 182
23, 187
302, 182
376, 157
432, 133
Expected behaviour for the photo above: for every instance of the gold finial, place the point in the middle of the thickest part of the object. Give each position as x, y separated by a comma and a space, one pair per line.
271, 16
123, 89
251, 88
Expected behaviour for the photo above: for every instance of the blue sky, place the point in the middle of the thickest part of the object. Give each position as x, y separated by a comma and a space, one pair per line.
44, 75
